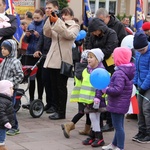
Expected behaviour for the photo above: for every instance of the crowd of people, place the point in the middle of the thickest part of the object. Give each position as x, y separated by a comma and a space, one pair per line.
53, 34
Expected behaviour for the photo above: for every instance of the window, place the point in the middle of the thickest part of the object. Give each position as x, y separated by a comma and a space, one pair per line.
112, 5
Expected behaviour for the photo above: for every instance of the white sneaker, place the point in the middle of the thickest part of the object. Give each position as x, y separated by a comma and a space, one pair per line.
117, 148
109, 147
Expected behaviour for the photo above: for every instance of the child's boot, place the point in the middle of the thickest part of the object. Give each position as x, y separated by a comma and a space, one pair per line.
2, 147
67, 128
99, 141
86, 130
90, 139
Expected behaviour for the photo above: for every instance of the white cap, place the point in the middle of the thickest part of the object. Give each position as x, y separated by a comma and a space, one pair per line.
98, 53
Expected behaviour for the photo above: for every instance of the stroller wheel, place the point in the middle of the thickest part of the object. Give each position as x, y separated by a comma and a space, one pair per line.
36, 108
17, 105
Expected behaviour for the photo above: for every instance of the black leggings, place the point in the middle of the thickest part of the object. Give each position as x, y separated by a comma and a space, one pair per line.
40, 87
80, 114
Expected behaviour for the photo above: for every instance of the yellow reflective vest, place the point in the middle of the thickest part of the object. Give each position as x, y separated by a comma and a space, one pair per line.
83, 91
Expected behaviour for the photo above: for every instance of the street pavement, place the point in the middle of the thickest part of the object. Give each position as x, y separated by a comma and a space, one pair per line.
45, 134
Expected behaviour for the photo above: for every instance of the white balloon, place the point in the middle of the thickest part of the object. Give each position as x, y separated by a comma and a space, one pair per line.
133, 91
127, 41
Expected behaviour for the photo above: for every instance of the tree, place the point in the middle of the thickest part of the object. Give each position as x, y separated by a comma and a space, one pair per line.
62, 4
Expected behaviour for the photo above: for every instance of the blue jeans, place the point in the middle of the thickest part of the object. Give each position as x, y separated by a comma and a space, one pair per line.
2, 135
15, 117
118, 124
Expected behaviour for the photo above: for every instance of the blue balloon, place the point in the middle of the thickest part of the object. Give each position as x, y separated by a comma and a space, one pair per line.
82, 34
78, 37
100, 78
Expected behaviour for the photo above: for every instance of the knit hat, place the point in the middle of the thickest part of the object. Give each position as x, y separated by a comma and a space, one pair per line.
98, 54
5, 86
140, 40
122, 55
146, 26
7, 45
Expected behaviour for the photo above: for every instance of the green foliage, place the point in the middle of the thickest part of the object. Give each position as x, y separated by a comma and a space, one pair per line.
62, 4
121, 17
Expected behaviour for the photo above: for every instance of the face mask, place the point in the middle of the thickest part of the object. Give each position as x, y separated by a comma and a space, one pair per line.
38, 22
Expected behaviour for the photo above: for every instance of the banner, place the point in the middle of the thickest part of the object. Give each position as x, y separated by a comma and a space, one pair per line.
22, 6
138, 15
87, 13
10, 9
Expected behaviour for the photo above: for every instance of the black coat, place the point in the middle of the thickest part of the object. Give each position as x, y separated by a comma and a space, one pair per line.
7, 33
107, 42
116, 25
6, 111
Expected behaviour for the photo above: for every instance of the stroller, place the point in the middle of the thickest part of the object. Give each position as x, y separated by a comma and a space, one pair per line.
36, 107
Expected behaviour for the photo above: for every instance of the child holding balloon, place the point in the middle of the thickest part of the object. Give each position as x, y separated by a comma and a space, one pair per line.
89, 98
93, 98
119, 93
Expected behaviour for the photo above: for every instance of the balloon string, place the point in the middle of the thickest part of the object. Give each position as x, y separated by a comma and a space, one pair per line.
137, 92
133, 58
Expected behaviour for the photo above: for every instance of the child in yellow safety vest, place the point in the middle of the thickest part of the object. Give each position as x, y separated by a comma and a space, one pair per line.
88, 96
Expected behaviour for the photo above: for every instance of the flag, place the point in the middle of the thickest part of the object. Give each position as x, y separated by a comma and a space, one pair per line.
10, 9
138, 15
87, 13
133, 108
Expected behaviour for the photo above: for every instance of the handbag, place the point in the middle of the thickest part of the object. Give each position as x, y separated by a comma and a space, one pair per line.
66, 68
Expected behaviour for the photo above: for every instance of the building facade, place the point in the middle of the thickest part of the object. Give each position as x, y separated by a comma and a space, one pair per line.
121, 7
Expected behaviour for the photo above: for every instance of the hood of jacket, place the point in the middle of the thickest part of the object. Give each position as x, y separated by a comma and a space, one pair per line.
113, 20
129, 70
97, 24
13, 52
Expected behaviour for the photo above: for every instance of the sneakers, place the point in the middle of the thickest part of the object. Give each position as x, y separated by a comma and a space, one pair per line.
98, 142
146, 139
13, 132
88, 141
117, 148
109, 147
26, 106
139, 135
107, 128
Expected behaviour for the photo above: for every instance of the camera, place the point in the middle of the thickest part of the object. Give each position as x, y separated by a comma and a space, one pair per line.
57, 12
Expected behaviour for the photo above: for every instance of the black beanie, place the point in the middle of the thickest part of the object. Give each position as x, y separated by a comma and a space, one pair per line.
140, 40
7, 45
